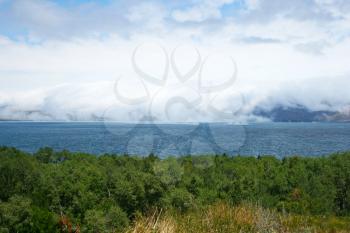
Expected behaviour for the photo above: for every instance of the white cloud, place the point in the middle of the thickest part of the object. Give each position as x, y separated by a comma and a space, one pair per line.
203, 10
68, 71
267, 75
48, 20
150, 15
253, 4
40, 13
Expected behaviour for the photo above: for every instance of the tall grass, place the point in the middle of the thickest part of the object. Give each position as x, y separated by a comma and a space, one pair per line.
245, 218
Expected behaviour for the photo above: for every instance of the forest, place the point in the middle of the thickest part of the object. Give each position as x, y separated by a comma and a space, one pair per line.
62, 191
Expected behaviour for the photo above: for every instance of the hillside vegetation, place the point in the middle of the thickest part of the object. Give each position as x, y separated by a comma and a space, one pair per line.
75, 192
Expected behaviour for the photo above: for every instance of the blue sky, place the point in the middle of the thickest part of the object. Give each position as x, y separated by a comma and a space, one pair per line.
57, 56
49, 18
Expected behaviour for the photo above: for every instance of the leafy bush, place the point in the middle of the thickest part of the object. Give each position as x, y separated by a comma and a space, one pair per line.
104, 193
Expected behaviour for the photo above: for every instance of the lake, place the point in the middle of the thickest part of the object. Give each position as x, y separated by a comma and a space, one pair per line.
279, 139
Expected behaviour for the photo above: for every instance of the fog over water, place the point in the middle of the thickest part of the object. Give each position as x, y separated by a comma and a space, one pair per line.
60, 61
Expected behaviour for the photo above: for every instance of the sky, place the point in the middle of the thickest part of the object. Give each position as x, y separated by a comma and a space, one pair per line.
171, 61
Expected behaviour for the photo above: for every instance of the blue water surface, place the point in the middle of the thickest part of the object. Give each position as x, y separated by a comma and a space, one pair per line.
279, 139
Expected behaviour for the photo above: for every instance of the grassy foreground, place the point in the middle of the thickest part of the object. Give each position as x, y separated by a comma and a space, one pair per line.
248, 218
68, 192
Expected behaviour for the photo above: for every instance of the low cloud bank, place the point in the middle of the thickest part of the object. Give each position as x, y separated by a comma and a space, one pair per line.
98, 102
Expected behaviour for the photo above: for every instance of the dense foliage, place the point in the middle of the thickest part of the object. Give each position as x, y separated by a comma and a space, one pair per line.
74, 192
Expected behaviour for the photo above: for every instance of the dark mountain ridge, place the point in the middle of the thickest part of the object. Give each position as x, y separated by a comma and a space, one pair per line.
301, 114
